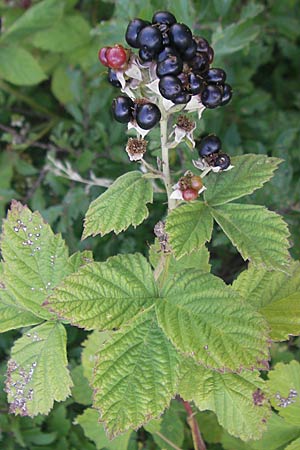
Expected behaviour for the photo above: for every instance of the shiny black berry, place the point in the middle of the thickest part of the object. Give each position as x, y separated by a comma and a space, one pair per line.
165, 53
182, 98
215, 76
122, 108
170, 87
112, 78
166, 39
164, 17
190, 52
202, 44
227, 94
180, 36
151, 38
172, 65
147, 115
211, 96
210, 54
208, 145
132, 32
196, 83
146, 55
223, 161
199, 63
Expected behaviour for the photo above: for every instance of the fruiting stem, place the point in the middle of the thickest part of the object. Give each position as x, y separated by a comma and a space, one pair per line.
196, 435
165, 159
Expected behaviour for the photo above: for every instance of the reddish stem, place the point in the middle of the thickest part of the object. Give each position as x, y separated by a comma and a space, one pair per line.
197, 438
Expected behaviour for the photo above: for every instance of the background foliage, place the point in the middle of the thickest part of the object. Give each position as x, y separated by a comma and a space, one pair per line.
55, 110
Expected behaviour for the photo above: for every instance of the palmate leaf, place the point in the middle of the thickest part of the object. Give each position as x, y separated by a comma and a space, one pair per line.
203, 317
135, 376
105, 295
37, 373
35, 259
189, 227
250, 172
284, 386
123, 204
237, 399
276, 295
260, 235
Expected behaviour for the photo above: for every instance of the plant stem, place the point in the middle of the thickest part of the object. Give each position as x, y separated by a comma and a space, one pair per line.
171, 444
165, 159
197, 438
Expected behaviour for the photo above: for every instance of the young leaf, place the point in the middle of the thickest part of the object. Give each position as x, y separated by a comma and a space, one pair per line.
105, 295
122, 205
37, 373
276, 295
237, 399
136, 375
19, 67
259, 234
250, 172
234, 37
284, 385
189, 227
203, 317
35, 260
14, 315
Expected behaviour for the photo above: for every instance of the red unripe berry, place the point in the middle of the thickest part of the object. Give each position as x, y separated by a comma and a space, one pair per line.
189, 195
102, 56
25, 4
116, 57
196, 183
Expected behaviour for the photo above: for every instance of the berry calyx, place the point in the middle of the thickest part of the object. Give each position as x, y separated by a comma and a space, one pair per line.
189, 195
196, 183
122, 108
147, 115
208, 145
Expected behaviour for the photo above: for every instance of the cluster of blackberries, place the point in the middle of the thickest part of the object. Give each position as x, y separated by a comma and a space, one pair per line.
145, 113
183, 60
210, 148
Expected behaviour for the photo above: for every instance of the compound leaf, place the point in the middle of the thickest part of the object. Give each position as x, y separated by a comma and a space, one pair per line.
37, 373
122, 205
260, 235
250, 172
135, 376
189, 227
276, 295
105, 295
236, 398
203, 317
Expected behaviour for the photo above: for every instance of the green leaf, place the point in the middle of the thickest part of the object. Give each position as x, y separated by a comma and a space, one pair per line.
19, 67
230, 395
61, 85
189, 227
250, 172
122, 205
37, 373
81, 391
234, 37
295, 445
203, 317
222, 6
136, 375
284, 386
259, 234
90, 348
105, 295
12, 314
64, 35
95, 431
276, 295
37, 17
35, 260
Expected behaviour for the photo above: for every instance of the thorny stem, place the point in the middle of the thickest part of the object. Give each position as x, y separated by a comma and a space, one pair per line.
197, 438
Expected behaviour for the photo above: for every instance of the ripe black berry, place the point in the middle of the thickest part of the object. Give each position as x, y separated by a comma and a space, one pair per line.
202, 44
166, 39
182, 98
211, 96
210, 54
227, 94
133, 29
215, 76
199, 63
112, 78
164, 17
190, 52
150, 38
170, 87
146, 55
223, 161
147, 115
122, 108
196, 83
165, 53
170, 66
181, 36
208, 145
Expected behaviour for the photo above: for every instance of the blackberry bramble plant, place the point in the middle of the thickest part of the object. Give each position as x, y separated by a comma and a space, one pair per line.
164, 328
